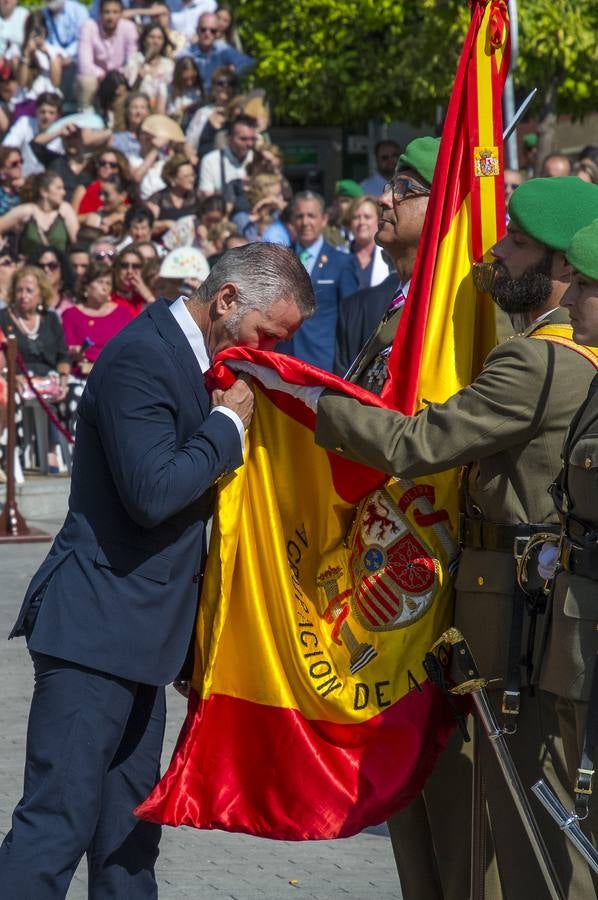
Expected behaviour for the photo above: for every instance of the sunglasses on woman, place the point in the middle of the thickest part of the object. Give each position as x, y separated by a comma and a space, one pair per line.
50, 266
130, 265
108, 162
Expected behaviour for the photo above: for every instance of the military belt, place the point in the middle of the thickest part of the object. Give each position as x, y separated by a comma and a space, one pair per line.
502, 538
579, 560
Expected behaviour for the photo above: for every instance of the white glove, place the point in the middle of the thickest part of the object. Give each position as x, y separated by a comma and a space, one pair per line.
547, 560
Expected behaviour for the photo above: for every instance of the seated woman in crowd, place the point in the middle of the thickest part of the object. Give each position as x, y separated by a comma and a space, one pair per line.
366, 260
72, 165
110, 217
38, 66
55, 267
136, 109
178, 198
40, 342
129, 289
111, 98
8, 96
160, 139
103, 164
150, 71
211, 119
94, 321
161, 16
264, 195
46, 220
185, 93
9, 263
192, 230
228, 35
138, 226
11, 178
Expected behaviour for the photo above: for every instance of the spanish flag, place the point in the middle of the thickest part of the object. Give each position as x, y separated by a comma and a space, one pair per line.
311, 715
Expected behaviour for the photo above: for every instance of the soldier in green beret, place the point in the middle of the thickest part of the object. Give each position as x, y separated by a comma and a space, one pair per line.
403, 206
569, 670
507, 429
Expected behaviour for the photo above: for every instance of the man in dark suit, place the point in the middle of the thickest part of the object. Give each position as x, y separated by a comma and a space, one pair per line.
109, 615
359, 315
331, 278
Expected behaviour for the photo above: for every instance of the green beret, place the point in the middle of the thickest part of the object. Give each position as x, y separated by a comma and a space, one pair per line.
552, 210
530, 140
420, 155
348, 188
583, 251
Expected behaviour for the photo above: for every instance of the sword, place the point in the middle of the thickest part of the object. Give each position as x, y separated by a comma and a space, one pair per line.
475, 686
518, 115
567, 822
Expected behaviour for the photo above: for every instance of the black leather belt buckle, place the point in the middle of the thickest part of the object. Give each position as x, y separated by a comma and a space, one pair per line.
510, 703
565, 560
584, 781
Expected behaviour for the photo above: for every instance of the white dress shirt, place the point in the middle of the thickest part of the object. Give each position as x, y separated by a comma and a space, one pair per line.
195, 337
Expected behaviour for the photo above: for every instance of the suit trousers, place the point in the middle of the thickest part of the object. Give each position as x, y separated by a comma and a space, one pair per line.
93, 753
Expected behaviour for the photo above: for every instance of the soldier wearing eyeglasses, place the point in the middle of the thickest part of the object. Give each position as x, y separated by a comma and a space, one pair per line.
403, 204
507, 430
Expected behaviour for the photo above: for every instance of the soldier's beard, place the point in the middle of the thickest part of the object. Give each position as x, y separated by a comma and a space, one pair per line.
530, 291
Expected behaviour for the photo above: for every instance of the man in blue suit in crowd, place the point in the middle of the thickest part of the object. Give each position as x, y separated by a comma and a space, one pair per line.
109, 615
332, 279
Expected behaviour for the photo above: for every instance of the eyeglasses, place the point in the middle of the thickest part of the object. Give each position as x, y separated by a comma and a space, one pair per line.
51, 266
100, 255
222, 82
405, 189
209, 30
127, 265
108, 162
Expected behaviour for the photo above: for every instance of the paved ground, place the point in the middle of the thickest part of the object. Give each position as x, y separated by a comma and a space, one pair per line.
192, 864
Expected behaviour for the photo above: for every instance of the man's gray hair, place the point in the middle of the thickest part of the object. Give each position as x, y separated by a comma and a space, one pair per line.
309, 195
263, 273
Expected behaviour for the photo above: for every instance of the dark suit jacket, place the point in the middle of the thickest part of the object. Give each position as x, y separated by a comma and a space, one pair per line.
121, 579
358, 317
332, 280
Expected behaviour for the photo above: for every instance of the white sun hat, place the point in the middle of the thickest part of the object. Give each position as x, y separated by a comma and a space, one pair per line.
185, 263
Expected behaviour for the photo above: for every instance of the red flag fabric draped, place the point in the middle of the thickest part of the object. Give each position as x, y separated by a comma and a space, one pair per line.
311, 715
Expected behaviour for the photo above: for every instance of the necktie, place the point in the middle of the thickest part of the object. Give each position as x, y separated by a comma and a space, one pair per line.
304, 256
398, 300
396, 303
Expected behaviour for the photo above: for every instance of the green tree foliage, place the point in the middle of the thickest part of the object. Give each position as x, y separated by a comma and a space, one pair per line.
559, 53
341, 62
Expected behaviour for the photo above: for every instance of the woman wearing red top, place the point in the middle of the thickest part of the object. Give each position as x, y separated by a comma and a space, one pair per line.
89, 326
104, 164
130, 289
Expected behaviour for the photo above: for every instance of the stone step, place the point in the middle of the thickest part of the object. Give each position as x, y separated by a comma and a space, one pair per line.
41, 497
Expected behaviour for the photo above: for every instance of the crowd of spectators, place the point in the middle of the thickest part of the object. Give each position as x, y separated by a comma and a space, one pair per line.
130, 158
